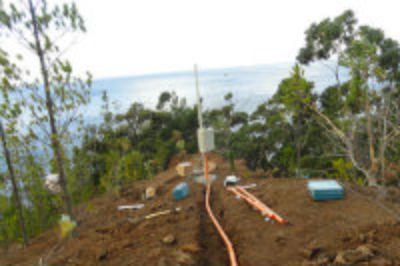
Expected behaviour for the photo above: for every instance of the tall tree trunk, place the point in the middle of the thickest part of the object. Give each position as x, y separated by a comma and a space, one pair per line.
383, 140
373, 169
55, 141
372, 179
16, 195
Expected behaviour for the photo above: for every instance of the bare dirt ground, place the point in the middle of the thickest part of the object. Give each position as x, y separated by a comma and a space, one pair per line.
353, 231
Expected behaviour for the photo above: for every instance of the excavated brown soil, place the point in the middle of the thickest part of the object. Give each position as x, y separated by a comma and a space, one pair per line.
353, 231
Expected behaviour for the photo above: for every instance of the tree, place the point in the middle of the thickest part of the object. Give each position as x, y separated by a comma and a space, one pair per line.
369, 124
41, 28
10, 109
134, 119
295, 94
264, 138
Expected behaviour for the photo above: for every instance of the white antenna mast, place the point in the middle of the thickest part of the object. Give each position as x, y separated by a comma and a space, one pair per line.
205, 137
199, 109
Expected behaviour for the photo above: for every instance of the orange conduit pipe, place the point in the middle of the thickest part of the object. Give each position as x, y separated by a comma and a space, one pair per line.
223, 235
250, 201
269, 211
256, 203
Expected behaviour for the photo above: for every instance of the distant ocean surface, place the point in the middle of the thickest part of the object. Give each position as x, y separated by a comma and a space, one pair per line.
250, 85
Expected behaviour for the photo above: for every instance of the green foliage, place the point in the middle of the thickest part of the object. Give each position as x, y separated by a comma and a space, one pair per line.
132, 167
10, 111
134, 145
343, 170
80, 181
294, 98
295, 92
360, 112
55, 95
50, 100
327, 37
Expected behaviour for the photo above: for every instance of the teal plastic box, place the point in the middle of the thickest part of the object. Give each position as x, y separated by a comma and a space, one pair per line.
321, 190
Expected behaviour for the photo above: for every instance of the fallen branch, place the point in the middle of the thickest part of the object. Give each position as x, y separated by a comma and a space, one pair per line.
153, 215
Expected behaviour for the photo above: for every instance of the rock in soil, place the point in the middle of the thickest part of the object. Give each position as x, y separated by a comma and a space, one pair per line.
101, 254
353, 256
191, 248
280, 239
183, 258
169, 239
311, 250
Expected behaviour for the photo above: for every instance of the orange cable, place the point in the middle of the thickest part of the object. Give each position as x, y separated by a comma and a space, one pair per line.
223, 235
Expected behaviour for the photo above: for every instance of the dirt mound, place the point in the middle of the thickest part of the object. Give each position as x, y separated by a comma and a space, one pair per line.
354, 231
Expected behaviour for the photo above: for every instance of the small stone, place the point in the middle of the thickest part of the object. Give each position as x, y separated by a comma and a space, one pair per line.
323, 261
310, 253
280, 238
362, 238
169, 239
341, 258
183, 258
127, 243
366, 251
311, 250
72, 262
352, 256
101, 254
191, 248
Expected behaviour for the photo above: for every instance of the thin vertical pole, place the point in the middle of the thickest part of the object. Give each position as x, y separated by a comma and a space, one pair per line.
199, 113
199, 108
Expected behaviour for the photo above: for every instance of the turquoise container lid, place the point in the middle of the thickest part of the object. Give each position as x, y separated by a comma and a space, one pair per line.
325, 190
180, 191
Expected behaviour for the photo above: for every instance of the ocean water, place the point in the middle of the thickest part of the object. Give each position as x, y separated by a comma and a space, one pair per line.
250, 85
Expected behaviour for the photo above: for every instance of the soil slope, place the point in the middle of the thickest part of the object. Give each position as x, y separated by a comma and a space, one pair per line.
353, 231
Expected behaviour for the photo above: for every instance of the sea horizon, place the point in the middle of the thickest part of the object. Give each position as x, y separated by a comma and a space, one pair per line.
250, 85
